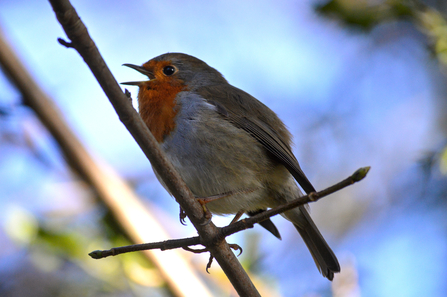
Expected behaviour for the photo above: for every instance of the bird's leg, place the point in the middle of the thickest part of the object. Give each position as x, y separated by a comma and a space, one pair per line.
205, 200
237, 217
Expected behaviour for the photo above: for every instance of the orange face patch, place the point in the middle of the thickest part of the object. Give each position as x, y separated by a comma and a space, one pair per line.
156, 99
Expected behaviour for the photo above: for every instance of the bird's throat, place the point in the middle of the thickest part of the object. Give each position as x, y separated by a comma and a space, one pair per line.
157, 106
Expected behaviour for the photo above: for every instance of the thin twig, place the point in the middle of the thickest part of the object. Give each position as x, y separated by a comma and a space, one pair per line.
163, 245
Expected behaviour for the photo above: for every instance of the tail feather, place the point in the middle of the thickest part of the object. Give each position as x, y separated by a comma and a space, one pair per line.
322, 254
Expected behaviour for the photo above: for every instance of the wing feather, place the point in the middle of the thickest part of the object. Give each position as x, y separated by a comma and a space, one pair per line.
259, 121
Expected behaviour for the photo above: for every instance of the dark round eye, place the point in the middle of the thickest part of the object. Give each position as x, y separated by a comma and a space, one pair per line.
169, 70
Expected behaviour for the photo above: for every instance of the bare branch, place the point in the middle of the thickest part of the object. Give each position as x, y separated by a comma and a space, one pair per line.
163, 245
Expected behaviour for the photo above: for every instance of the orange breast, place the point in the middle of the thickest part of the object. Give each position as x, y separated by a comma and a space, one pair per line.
156, 99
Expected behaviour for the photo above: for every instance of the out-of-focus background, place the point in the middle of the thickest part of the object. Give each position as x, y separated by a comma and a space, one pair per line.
358, 82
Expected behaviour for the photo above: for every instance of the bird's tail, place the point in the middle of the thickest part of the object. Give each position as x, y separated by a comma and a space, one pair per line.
322, 254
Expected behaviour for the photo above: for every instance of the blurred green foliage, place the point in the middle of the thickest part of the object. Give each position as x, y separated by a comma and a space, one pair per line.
365, 14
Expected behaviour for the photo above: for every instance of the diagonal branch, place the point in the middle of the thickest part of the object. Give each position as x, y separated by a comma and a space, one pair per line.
82, 42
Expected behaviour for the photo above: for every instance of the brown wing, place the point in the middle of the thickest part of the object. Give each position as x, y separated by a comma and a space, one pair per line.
258, 120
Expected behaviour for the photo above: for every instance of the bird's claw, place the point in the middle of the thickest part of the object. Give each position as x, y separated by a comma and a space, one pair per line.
208, 215
233, 246
236, 247
182, 216
208, 265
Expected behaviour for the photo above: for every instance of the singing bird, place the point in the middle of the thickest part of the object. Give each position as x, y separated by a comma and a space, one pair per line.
225, 143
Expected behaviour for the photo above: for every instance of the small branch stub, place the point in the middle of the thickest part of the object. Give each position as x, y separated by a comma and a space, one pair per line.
65, 43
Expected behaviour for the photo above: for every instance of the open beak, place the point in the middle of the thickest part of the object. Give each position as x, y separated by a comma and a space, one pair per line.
140, 69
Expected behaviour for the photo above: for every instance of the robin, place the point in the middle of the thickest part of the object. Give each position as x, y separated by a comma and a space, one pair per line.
226, 145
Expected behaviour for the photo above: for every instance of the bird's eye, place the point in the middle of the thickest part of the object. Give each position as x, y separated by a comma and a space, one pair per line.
169, 70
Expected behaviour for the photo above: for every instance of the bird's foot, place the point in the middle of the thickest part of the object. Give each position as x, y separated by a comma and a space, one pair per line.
233, 246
